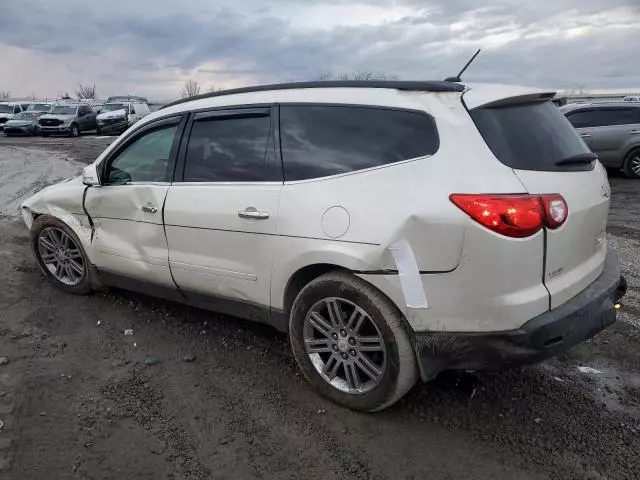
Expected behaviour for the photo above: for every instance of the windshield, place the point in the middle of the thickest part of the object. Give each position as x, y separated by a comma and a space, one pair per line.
110, 107
25, 116
530, 136
38, 107
63, 110
6, 109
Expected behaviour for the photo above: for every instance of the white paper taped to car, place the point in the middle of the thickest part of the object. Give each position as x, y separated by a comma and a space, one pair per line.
409, 274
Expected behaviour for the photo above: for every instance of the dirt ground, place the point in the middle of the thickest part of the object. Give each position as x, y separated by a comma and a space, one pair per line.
78, 401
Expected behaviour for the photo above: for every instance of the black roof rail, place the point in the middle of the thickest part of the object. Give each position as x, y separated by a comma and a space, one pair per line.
410, 85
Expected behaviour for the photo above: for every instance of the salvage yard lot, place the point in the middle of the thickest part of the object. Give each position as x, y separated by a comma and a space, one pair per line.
77, 400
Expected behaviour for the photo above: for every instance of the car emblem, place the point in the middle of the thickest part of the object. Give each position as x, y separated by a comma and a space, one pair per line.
605, 191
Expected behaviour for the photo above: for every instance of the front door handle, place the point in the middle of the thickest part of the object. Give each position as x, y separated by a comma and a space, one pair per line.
253, 213
148, 208
634, 132
585, 135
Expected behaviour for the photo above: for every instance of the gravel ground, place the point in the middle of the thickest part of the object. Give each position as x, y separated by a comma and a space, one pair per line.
78, 401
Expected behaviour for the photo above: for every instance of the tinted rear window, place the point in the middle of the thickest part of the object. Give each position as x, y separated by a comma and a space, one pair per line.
531, 136
228, 150
318, 141
604, 117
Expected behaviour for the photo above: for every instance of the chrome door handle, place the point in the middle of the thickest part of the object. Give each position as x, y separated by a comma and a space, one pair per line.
148, 208
634, 132
253, 213
585, 135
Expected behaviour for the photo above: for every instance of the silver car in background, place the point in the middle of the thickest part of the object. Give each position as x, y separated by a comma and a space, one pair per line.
611, 130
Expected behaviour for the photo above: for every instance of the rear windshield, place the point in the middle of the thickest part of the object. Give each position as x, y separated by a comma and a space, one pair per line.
530, 136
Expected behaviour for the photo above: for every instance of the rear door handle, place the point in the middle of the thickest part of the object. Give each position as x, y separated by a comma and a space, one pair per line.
253, 214
634, 132
148, 208
585, 135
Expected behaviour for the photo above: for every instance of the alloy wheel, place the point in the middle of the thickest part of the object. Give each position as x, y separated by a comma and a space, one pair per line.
635, 165
61, 256
344, 345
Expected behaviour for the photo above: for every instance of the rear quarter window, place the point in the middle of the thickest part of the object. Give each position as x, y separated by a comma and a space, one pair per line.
530, 136
319, 141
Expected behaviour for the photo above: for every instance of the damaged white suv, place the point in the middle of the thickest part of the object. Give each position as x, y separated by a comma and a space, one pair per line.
393, 229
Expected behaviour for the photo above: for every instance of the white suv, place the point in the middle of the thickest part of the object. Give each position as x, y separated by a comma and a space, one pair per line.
393, 229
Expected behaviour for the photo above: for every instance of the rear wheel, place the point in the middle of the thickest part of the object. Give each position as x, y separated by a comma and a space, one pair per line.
60, 255
631, 167
350, 342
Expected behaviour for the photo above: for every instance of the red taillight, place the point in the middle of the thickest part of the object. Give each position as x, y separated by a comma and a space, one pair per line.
555, 209
516, 216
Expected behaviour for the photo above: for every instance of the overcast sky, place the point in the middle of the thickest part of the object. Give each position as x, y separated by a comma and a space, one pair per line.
149, 47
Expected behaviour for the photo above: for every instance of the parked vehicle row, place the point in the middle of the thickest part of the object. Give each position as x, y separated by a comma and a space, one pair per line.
70, 118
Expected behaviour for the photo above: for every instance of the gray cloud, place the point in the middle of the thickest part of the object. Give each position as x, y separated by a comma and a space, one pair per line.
563, 44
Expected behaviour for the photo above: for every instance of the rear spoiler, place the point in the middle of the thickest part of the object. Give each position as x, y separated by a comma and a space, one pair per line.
530, 98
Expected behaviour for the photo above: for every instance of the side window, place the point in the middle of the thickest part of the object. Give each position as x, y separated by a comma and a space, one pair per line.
618, 116
16, 109
133, 110
24, 106
228, 149
318, 141
145, 159
583, 118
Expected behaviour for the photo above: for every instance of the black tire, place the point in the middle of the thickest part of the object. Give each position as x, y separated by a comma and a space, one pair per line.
401, 371
74, 130
631, 165
98, 131
44, 134
44, 222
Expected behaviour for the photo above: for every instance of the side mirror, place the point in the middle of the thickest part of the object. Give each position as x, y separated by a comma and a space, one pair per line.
90, 175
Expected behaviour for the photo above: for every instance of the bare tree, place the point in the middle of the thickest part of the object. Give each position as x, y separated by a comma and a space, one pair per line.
357, 75
191, 88
86, 92
5, 94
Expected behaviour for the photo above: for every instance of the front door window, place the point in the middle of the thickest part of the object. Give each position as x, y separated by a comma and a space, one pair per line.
146, 159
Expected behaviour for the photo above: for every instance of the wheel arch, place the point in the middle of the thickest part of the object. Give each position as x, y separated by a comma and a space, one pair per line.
302, 277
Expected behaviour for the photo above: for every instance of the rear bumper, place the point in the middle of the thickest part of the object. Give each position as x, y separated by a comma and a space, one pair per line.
544, 336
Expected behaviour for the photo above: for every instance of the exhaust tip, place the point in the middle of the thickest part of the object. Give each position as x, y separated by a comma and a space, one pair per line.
622, 288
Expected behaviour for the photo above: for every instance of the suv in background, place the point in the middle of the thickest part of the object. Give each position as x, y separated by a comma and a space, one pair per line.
611, 130
67, 118
631, 98
119, 113
336, 211
7, 111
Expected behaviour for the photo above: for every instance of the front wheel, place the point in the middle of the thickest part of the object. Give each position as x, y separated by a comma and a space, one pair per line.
631, 166
74, 131
351, 343
60, 255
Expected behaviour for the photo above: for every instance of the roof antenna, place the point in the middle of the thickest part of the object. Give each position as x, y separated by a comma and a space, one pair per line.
457, 77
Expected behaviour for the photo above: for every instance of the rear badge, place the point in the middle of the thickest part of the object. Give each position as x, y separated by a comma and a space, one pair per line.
555, 272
